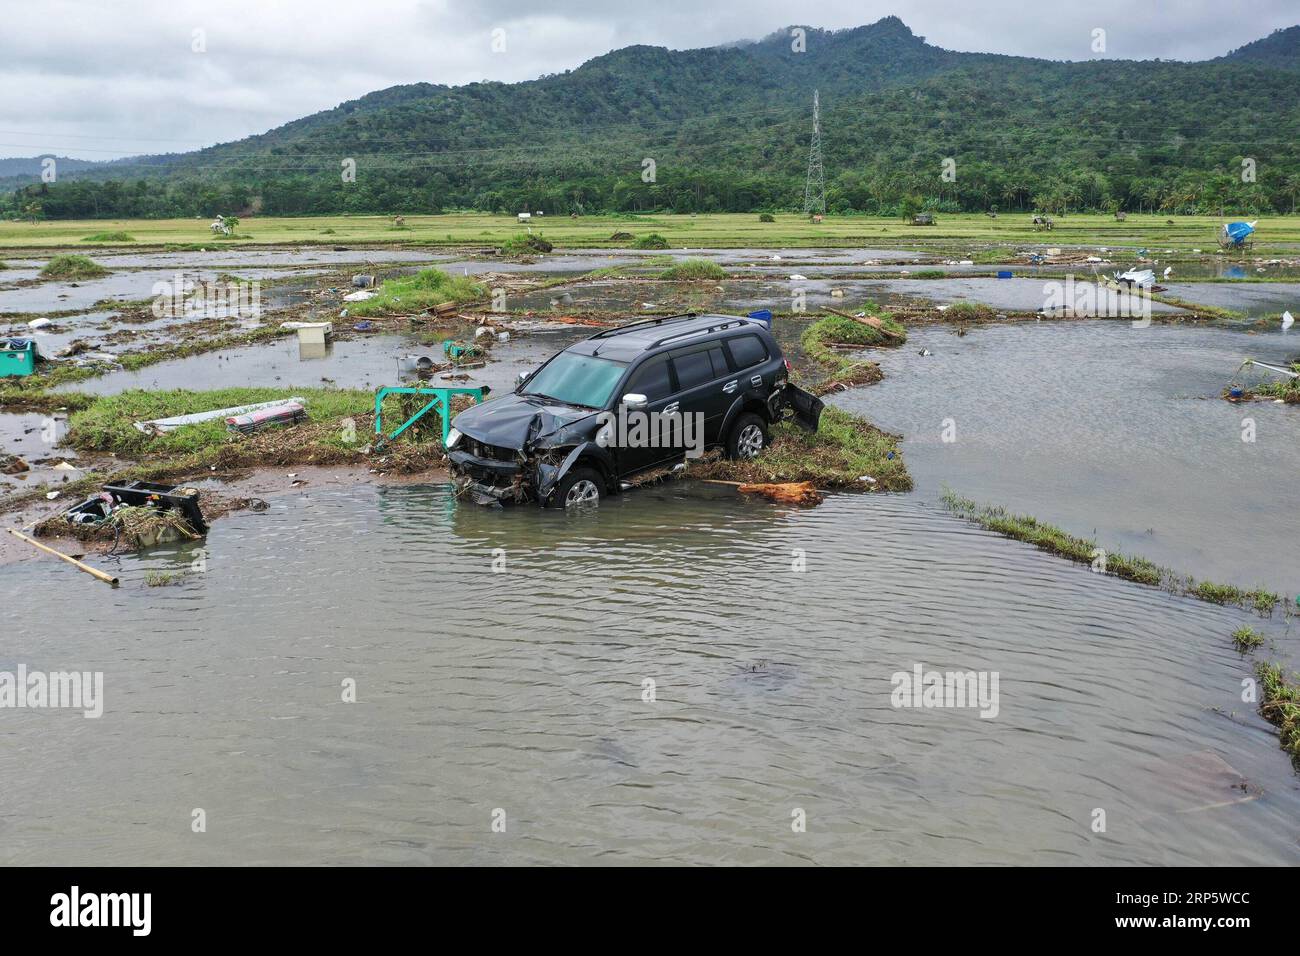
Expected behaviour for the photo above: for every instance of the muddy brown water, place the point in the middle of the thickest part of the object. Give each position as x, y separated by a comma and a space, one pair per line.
1104, 428
523, 691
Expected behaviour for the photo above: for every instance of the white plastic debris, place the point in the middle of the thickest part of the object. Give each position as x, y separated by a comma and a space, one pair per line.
51, 495
39, 323
361, 295
798, 278
1287, 320
481, 331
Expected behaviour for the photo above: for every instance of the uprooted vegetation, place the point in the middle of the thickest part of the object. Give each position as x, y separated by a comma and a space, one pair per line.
650, 240
1054, 540
693, 270
418, 293
129, 525
820, 339
72, 267
844, 452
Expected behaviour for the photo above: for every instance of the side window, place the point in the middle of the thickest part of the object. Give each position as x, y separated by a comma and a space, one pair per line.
747, 351
693, 368
651, 380
719, 360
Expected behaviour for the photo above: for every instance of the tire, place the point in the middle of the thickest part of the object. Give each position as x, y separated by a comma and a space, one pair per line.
748, 436
580, 486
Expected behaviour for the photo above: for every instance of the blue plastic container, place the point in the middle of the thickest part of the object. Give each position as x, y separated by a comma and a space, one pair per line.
764, 316
1004, 275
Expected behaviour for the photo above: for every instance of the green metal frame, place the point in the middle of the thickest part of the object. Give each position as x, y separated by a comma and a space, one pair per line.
441, 401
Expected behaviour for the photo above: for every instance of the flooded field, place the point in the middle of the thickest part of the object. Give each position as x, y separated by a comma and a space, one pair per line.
1098, 426
523, 691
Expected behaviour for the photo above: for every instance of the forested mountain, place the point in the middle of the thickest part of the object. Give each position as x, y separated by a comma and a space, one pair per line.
728, 129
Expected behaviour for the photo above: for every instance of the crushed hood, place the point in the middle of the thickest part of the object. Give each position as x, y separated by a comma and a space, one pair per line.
511, 421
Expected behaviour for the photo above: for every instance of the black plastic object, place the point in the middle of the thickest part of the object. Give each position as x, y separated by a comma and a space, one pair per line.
149, 494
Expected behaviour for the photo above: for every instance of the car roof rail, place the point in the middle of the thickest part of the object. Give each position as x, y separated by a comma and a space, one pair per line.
730, 323
658, 320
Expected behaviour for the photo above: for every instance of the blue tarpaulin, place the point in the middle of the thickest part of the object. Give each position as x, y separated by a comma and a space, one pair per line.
1238, 231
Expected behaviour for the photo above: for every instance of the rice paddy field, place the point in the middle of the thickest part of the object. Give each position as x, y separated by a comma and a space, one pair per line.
957, 233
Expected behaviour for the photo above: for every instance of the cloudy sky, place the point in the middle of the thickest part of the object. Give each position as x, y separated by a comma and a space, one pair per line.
100, 79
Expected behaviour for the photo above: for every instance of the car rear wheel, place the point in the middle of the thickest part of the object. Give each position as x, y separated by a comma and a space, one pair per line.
581, 486
748, 437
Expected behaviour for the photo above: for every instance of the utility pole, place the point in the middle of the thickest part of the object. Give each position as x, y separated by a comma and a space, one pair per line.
814, 191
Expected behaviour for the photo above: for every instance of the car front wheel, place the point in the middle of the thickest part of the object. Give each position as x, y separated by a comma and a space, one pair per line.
581, 486
748, 437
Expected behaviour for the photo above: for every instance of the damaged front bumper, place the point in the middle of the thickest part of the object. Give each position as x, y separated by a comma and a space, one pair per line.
488, 480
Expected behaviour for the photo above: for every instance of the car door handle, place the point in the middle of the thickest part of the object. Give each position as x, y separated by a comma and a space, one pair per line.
670, 409
730, 387
756, 381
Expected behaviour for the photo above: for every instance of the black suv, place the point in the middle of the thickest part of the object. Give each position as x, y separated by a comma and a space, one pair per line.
625, 401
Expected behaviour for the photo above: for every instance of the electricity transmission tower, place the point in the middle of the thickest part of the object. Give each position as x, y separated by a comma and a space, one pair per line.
814, 191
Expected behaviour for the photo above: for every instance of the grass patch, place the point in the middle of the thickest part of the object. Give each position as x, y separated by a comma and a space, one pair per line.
842, 450
970, 312
109, 237
1054, 540
418, 293
1280, 706
694, 269
930, 274
106, 424
842, 371
1246, 638
72, 267
650, 241
525, 245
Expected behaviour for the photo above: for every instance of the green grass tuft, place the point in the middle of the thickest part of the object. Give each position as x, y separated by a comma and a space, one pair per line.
109, 237
650, 241
694, 269
73, 267
1246, 638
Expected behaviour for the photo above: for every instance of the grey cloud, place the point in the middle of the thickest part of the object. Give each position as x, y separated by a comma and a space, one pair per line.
120, 78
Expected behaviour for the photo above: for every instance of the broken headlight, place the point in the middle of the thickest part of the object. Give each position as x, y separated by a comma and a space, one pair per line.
453, 437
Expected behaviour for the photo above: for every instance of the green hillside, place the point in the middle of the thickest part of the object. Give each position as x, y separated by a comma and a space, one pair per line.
728, 130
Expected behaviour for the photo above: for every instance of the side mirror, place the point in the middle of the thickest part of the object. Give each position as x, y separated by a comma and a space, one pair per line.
634, 401
522, 377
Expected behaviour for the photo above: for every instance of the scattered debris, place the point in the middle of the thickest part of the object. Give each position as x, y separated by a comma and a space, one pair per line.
160, 425
287, 413
790, 492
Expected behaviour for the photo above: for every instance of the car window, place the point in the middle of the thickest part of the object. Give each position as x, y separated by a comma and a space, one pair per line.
651, 380
576, 380
693, 368
747, 350
719, 361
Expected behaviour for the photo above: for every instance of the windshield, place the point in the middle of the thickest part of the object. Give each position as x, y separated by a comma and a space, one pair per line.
576, 380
